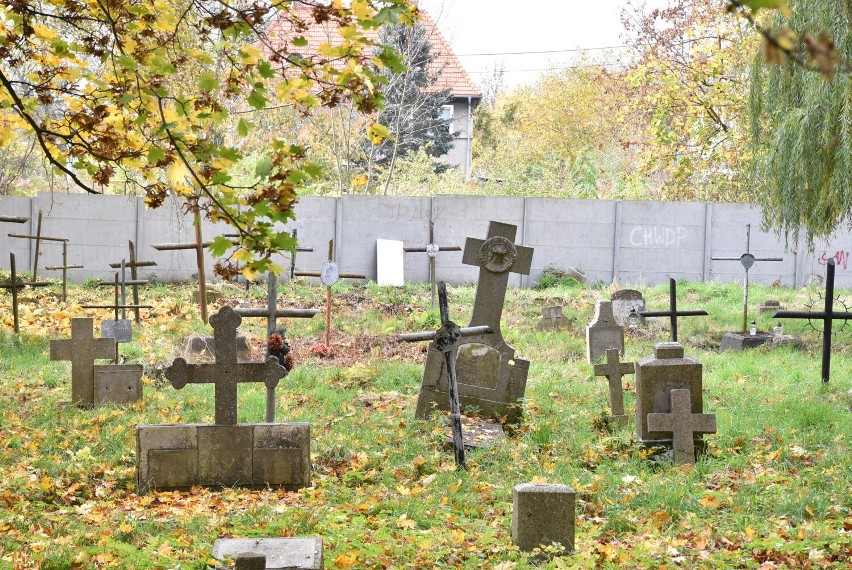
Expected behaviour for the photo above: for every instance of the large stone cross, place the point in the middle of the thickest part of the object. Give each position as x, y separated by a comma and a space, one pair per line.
496, 256
614, 370
682, 424
226, 373
82, 349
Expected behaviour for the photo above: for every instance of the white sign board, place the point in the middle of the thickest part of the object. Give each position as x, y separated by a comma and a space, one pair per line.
389, 263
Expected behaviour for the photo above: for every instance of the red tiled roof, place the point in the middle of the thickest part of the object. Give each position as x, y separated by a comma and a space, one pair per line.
452, 75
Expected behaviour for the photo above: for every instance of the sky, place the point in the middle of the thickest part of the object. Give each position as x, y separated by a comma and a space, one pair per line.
500, 26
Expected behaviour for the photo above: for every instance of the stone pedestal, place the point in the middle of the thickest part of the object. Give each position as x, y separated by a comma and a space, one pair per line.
300, 553
118, 383
247, 455
740, 341
543, 514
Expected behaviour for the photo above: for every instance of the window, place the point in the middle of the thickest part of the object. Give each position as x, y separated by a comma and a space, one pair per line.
447, 116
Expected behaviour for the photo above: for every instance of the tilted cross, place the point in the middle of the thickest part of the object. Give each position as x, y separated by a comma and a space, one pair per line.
64, 267
673, 313
827, 316
747, 260
13, 285
272, 312
82, 349
432, 249
225, 373
682, 424
614, 370
133, 265
496, 256
38, 238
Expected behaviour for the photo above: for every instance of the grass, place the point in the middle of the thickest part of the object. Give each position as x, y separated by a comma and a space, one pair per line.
773, 490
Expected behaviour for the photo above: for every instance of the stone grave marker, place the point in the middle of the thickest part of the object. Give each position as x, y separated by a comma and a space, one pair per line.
64, 267
770, 306
543, 514
603, 333
625, 301
613, 370
432, 250
683, 424
552, 318
656, 377
14, 285
224, 453
389, 264
673, 313
118, 383
493, 379
296, 553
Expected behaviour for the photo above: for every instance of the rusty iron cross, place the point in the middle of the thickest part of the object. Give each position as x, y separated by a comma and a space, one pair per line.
673, 313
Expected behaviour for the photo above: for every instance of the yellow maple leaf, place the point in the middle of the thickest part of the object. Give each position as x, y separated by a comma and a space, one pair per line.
345, 561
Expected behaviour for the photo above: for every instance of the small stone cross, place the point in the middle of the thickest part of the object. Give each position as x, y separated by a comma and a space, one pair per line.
226, 372
82, 349
682, 424
614, 370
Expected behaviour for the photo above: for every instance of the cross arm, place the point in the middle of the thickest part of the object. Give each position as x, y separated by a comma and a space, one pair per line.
318, 274
430, 335
42, 238
134, 282
270, 372
14, 219
695, 313
817, 315
176, 246
116, 306
292, 313
134, 264
22, 284
54, 267
423, 249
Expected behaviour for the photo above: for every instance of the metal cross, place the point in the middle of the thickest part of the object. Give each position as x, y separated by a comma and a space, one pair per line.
614, 370
432, 249
446, 340
329, 274
747, 260
14, 284
673, 313
64, 267
82, 349
133, 265
225, 373
827, 316
38, 238
272, 312
682, 424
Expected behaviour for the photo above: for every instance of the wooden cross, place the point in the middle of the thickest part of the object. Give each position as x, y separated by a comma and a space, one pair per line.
133, 265
446, 341
38, 238
747, 260
295, 234
14, 219
329, 274
673, 313
432, 250
225, 373
120, 330
13, 285
682, 424
827, 316
496, 256
64, 267
614, 370
82, 349
272, 312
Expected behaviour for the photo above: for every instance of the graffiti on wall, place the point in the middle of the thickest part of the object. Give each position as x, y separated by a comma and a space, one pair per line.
658, 236
840, 257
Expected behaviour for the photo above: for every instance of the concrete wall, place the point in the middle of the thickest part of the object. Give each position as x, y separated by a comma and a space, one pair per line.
633, 242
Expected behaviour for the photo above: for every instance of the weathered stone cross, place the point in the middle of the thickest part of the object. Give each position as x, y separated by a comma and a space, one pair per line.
682, 424
82, 349
673, 313
226, 373
614, 370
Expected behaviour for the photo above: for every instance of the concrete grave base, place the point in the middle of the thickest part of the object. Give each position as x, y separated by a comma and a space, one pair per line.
118, 383
740, 341
246, 455
788, 340
617, 422
300, 553
195, 345
543, 514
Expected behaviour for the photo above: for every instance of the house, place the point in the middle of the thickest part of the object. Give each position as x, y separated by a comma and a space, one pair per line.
465, 95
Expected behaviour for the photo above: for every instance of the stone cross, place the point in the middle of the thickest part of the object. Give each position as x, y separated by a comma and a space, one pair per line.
13, 285
272, 312
38, 238
827, 316
82, 349
432, 249
682, 424
133, 265
747, 260
64, 267
225, 373
614, 370
673, 313
552, 318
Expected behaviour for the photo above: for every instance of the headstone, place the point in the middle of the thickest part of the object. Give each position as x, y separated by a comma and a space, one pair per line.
552, 318
120, 330
623, 302
389, 263
683, 424
118, 383
298, 553
613, 370
770, 306
82, 349
739, 341
498, 391
543, 514
603, 333
656, 377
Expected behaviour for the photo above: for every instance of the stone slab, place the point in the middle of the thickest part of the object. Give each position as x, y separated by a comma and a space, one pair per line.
118, 383
225, 454
543, 514
739, 341
553, 318
298, 553
603, 333
120, 330
171, 468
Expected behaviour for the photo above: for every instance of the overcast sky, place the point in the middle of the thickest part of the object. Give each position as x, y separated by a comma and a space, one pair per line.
500, 26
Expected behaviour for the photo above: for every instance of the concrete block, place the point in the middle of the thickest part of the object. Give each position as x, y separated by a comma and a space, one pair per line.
225, 455
298, 553
543, 514
169, 469
150, 437
118, 383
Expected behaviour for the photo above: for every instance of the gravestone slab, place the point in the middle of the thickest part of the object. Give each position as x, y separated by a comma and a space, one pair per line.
82, 349
739, 341
118, 383
770, 306
683, 424
499, 381
552, 318
389, 263
603, 333
624, 301
656, 377
120, 330
543, 514
297, 553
